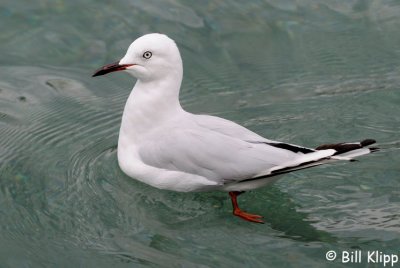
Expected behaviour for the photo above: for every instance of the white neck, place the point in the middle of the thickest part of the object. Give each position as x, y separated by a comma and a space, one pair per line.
150, 104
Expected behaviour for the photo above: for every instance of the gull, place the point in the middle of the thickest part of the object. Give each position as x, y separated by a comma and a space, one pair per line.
164, 146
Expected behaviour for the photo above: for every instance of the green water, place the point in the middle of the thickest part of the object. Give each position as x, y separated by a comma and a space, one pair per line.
305, 72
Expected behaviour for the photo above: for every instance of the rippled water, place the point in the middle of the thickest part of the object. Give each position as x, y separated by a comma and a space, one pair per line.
305, 72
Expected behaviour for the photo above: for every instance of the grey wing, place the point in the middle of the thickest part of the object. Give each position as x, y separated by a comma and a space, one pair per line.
232, 129
211, 154
228, 128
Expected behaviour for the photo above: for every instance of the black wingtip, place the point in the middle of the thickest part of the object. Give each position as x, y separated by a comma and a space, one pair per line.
367, 142
347, 147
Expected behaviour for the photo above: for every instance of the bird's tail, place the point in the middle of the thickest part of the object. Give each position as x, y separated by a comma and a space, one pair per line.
335, 151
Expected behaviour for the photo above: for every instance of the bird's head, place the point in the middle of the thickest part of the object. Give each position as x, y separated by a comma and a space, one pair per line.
150, 57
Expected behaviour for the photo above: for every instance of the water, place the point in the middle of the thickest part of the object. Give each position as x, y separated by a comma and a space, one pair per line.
306, 72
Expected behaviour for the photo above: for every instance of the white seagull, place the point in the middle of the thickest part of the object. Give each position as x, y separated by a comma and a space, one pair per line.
167, 147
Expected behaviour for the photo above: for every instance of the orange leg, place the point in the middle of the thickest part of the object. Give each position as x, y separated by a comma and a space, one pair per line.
244, 215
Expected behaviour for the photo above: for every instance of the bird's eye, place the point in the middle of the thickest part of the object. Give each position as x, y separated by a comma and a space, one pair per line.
147, 55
